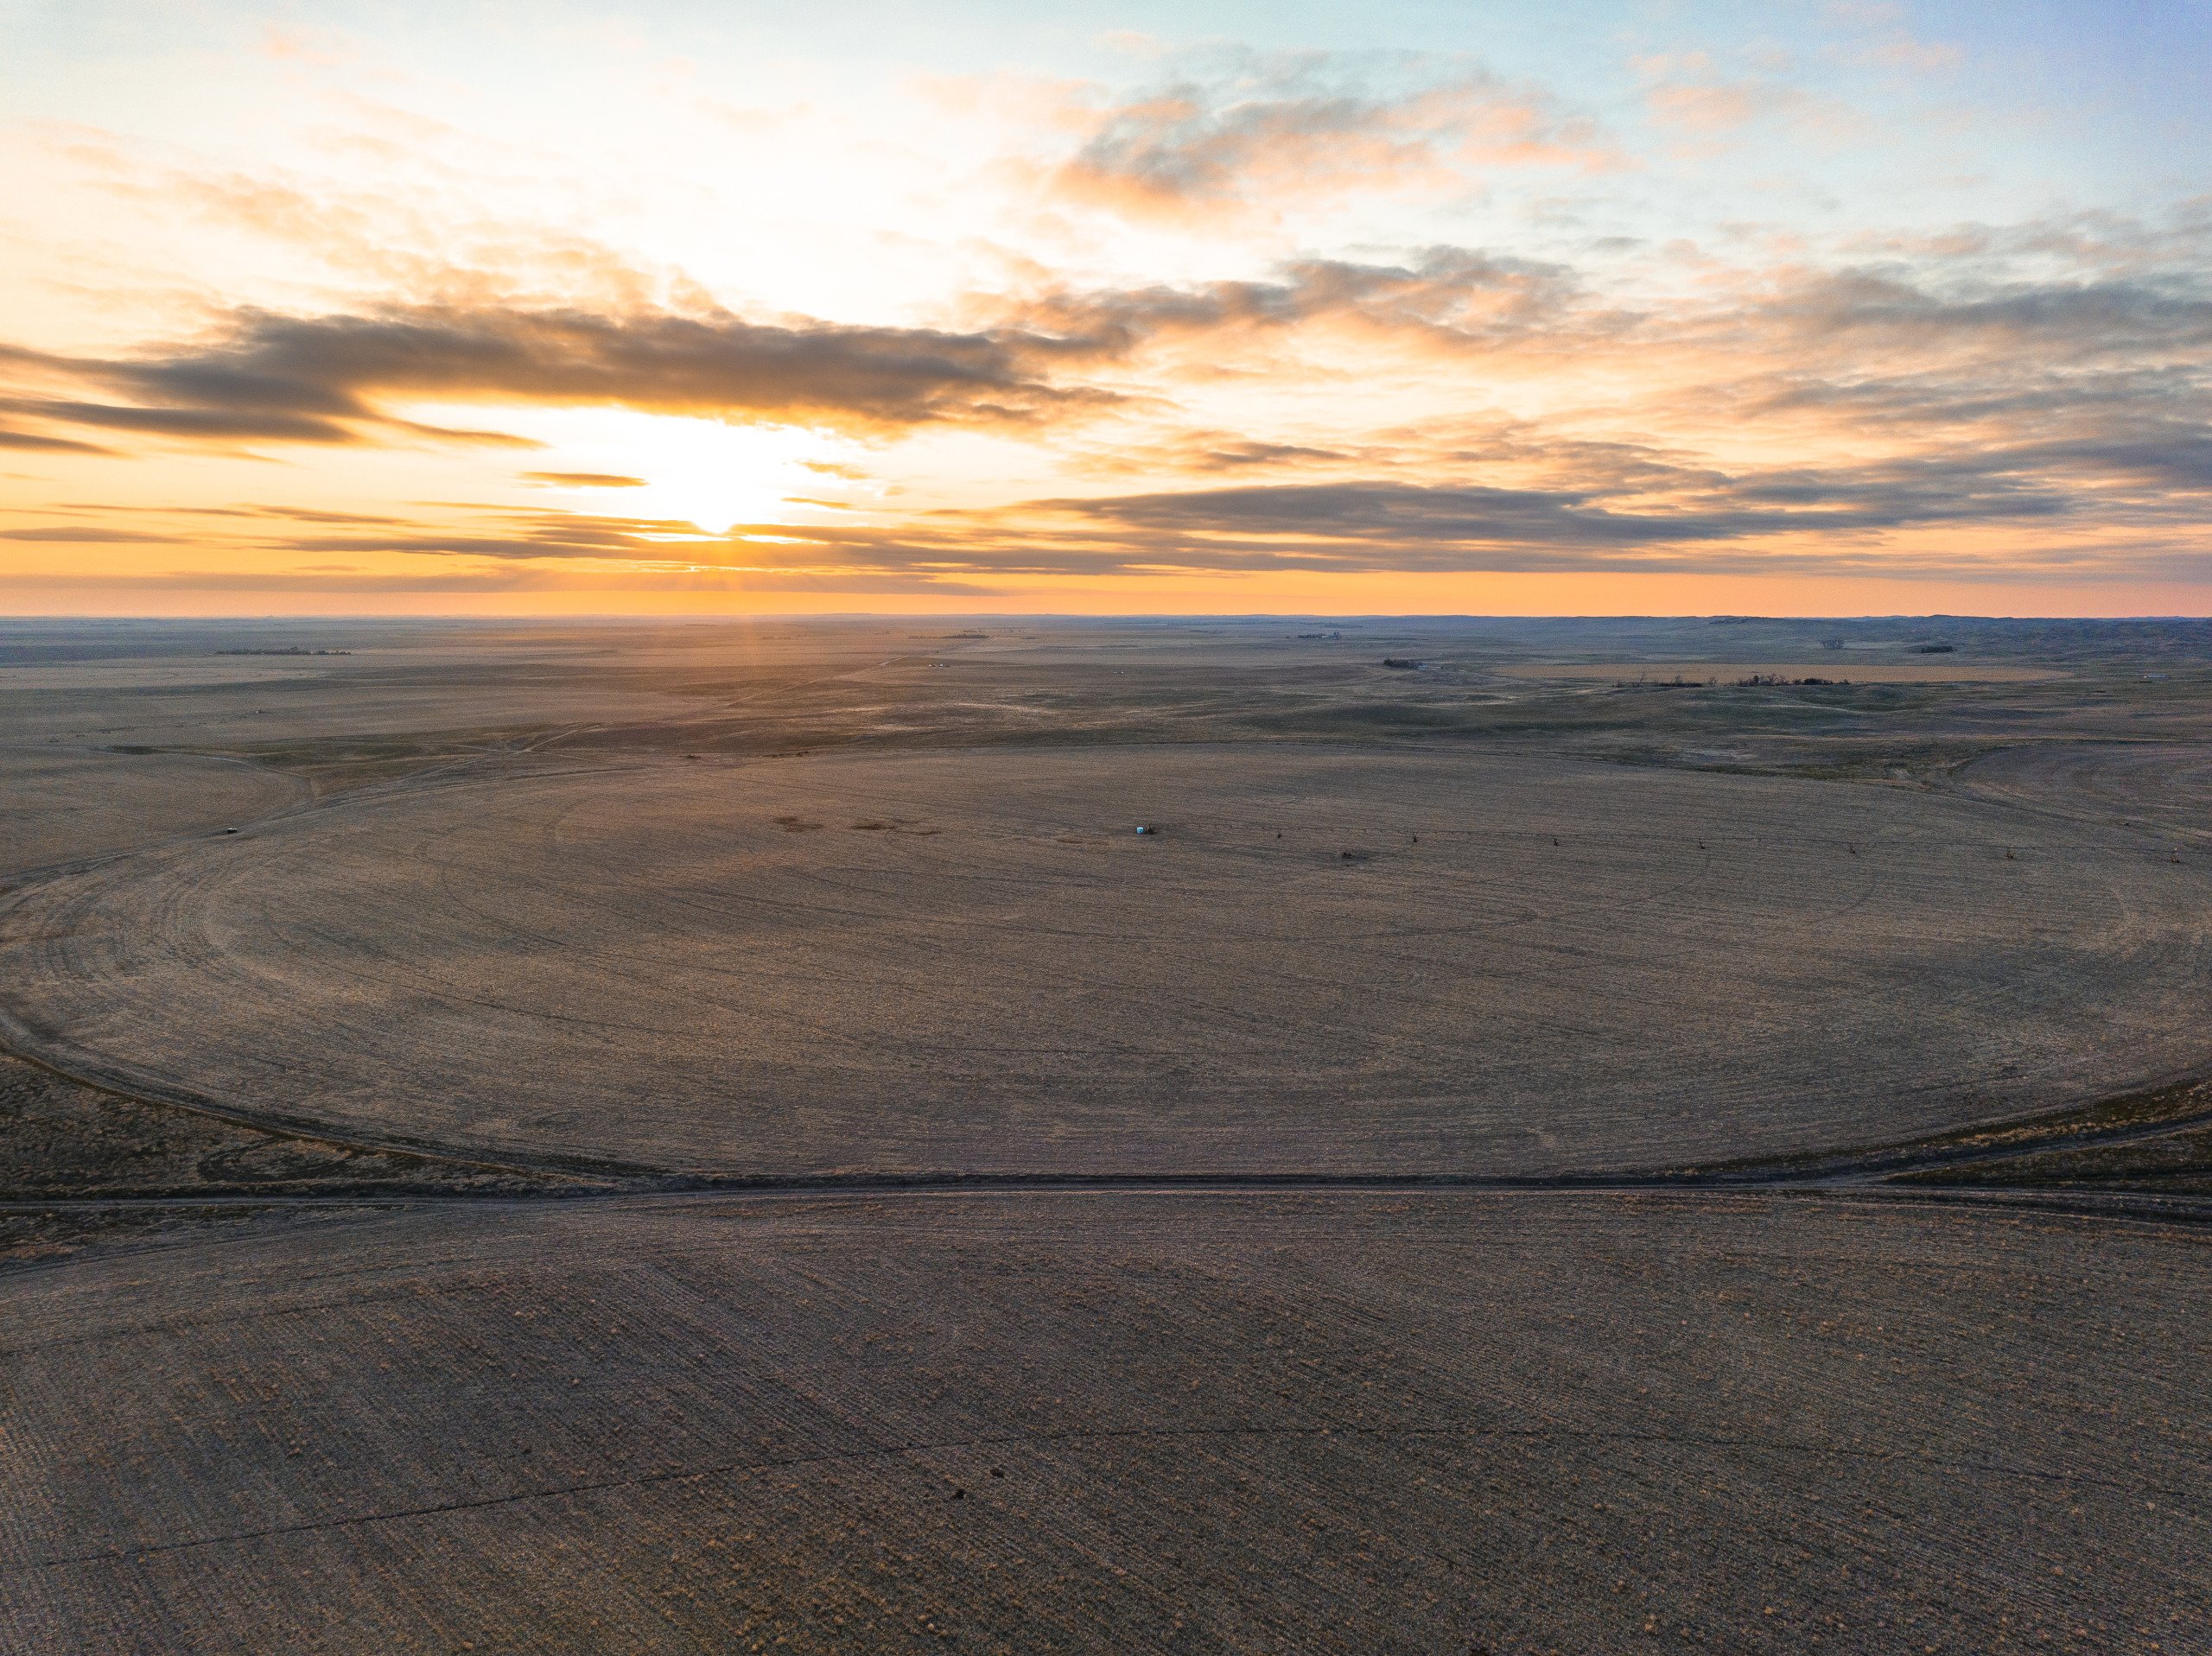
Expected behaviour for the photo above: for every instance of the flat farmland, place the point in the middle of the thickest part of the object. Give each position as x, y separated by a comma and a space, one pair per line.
653, 1139
1830, 667
1319, 960
59, 804
1116, 1422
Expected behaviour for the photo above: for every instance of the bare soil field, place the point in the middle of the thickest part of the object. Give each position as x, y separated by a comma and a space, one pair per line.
1940, 670
2164, 786
681, 1136
1029, 1423
1321, 960
61, 804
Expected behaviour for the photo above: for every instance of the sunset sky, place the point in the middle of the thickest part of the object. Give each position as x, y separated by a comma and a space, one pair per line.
992, 307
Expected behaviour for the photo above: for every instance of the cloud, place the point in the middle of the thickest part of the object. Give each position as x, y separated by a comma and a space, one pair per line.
78, 534
1632, 511
1905, 306
1302, 127
491, 533
1708, 106
1409, 525
1686, 93
1883, 39
331, 379
1452, 292
1238, 454
1915, 409
336, 379
221, 424
1798, 518
387, 197
48, 445
316, 580
1396, 515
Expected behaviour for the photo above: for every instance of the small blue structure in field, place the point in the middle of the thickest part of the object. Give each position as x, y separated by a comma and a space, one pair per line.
1143, 828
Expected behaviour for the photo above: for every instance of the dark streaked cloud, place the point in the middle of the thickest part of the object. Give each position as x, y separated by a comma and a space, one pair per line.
2178, 459
829, 583
225, 424
1242, 454
332, 379
503, 535
1878, 305
1458, 292
66, 533
1401, 520
324, 379
32, 440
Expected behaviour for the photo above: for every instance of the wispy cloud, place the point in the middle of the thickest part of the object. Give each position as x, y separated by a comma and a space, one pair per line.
83, 534
1688, 93
50, 444
1448, 290
1256, 131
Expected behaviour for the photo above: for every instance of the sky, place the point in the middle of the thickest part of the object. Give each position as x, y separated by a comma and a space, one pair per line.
978, 307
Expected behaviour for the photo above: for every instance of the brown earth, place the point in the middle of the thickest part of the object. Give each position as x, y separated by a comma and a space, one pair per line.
297, 1351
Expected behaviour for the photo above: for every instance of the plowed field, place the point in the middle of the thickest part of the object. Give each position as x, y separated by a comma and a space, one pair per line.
1323, 960
1089, 1423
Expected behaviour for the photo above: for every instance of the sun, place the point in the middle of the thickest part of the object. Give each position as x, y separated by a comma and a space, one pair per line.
667, 468
705, 473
